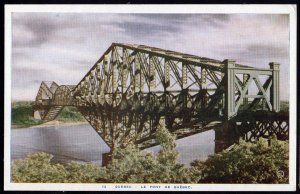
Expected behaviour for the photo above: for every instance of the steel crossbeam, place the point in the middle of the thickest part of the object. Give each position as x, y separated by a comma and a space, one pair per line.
133, 88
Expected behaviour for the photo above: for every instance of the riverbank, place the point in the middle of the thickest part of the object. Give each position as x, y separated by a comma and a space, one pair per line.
22, 116
80, 142
54, 123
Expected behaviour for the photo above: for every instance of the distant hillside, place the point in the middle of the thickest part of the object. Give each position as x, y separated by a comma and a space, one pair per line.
22, 115
284, 106
70, 114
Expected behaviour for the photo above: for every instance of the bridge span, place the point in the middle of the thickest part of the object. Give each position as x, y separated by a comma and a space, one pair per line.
132, 89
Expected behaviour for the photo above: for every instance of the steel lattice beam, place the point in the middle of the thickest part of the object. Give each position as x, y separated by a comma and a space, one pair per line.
131, 88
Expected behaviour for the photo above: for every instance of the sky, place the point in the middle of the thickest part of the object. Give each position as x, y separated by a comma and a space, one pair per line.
62, 47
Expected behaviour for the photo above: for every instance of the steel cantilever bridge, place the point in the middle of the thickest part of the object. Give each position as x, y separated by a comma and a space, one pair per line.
132, 89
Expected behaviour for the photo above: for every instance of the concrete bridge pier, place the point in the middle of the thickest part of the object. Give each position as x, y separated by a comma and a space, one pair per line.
225, 135
106, 158
37, 115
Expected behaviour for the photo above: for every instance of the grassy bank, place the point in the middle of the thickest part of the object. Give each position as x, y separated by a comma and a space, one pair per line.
22, 115
70, 114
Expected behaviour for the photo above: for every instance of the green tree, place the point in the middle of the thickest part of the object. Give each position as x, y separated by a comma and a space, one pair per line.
83, 173
22, 115
70, 114
36, 168
131, 165
244, 163
247, 163
135, 166
169, 170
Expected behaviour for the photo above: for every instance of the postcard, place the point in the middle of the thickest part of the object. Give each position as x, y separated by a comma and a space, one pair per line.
150, 97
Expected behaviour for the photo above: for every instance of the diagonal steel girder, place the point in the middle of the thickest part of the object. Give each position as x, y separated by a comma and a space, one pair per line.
132, 89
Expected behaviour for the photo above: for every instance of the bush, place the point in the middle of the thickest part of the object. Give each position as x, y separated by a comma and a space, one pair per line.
130, 165
244, 163
83, 173
37, 168
22, 114
70, 113
247, 163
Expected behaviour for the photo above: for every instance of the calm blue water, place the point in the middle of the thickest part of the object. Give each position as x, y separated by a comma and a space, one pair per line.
82, 144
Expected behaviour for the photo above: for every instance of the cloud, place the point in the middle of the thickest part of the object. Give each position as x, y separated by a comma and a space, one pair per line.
63, 46
267, 50
32, 30
143, 29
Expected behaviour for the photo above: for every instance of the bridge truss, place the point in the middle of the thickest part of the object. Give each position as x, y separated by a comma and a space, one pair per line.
131, 89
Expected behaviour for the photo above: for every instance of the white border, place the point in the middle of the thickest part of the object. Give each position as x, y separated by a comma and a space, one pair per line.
266, 9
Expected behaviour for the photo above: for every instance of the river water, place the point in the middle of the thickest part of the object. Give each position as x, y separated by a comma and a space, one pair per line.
81, 143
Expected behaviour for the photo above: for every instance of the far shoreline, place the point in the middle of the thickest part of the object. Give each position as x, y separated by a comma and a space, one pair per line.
50, 124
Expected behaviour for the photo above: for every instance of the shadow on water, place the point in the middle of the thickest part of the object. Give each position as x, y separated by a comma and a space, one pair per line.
81, 143
78, 142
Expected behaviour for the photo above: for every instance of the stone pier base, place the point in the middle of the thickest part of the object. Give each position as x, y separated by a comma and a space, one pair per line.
225, 136
106, 158
37, 115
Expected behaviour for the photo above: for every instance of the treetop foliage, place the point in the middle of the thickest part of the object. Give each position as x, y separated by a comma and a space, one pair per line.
247, 163
244, 163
